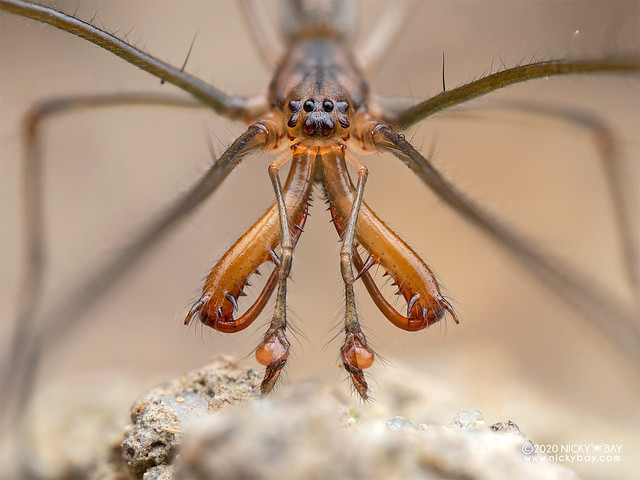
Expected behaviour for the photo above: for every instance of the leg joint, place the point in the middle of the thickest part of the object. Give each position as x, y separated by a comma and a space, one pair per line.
346, 267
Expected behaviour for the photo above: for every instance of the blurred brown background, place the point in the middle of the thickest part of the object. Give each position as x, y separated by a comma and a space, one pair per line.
109, 172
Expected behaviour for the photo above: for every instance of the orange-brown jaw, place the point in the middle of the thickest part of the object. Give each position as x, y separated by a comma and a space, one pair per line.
415, 281
227, 280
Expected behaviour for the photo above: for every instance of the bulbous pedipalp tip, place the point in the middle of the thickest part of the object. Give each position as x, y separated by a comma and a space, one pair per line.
273, 354
357, 356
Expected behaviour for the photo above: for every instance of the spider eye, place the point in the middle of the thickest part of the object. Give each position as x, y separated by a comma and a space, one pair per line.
294, 105
342, 106
327, 105
292, 121
309, 106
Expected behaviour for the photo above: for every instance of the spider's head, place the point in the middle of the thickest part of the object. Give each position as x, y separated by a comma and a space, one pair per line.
319, 119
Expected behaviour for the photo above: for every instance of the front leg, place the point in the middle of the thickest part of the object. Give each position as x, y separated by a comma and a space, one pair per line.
235, 108
522, 73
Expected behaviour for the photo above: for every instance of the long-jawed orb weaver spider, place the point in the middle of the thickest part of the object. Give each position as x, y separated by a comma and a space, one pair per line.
526, 54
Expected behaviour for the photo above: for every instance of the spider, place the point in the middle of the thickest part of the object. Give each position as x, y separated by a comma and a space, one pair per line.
352, 367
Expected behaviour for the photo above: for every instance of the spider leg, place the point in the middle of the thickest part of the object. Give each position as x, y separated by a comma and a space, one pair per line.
606, 144
616, 320
373, 50
30, 291
19, 369
405, 118
264, 36
32, 176
237, 108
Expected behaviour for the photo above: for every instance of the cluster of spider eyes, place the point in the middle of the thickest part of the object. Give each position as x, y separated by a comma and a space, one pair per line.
323, 125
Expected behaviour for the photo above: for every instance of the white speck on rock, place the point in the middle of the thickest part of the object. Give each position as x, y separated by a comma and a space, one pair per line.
468, 419
398, 424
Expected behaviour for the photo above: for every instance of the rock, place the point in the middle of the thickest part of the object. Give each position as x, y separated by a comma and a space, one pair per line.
210, 423
163, 472
159, 417
152, 438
